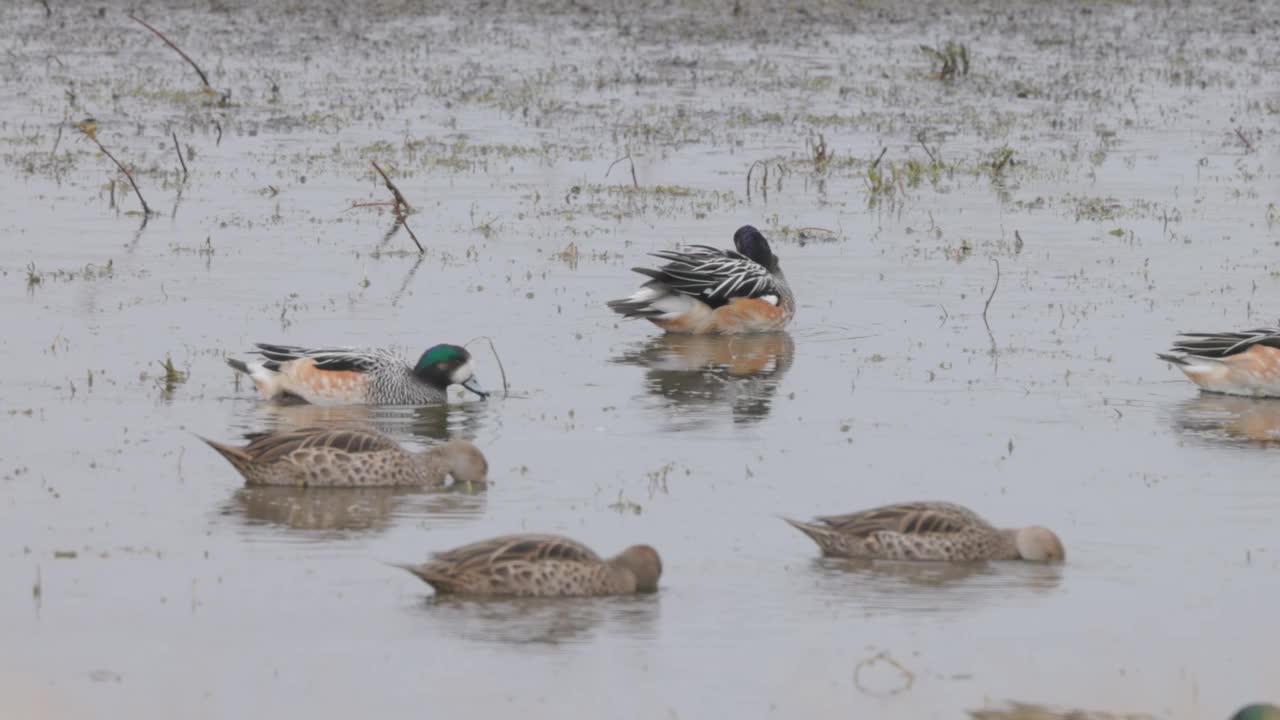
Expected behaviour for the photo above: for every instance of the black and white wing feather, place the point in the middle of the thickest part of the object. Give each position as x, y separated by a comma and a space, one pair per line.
713, 276
1222, 345
328, 358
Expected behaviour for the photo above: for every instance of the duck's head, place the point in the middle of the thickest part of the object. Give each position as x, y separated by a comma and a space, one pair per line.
1038, 544
445, 365
467, 465
750, 242
1260, 711
643, 562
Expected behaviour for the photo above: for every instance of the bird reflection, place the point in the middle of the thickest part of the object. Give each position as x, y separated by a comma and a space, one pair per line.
1230, 419
427, 422
694, 372
343, 510
522, 621
933, 586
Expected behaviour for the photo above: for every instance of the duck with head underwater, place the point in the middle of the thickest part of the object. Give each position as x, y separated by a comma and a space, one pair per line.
705, 291
351, 457
348, 376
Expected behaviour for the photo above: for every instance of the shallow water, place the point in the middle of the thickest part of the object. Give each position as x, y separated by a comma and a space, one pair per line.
145, 581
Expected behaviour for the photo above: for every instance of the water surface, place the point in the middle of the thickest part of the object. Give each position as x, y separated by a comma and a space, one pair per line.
144, 581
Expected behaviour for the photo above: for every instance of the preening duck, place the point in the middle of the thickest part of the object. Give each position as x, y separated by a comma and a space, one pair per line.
703, 290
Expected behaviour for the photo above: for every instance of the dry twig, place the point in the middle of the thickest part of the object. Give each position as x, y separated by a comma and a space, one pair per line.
90, 129
920, 139
634, 183
178, 150
994, 287
501, 371
876, 163
203, 78
1244, 139
401, 207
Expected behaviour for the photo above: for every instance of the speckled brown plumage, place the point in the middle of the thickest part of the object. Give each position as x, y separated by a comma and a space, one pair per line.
350, 457
539, 566
928, 531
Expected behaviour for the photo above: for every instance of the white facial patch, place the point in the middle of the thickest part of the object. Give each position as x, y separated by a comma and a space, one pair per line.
771, 299
462, 374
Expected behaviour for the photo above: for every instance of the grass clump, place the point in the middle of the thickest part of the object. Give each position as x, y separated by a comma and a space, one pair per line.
952, 59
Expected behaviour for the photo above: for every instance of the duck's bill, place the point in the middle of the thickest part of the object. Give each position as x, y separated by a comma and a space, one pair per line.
474, 386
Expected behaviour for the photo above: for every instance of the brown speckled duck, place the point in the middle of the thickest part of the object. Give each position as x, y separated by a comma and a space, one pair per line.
928, 531
539, 566
351, 457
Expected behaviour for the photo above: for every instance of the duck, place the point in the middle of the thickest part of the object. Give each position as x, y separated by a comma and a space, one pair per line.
1030, 711
352, 376
351, 457
939, 531
1258, 711
706, 291
539, 566
1234, 363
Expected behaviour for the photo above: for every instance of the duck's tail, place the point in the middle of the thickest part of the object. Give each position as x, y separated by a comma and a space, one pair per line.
265, 378
823, 536
442, 584
653, 301
238, 458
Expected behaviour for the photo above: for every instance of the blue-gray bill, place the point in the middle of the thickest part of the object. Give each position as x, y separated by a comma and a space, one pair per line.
474, 386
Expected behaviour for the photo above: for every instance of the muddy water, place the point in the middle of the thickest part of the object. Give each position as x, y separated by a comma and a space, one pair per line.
142, 579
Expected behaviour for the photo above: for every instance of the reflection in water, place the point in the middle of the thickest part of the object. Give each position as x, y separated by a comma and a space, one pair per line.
705, 371
933, 586
1230, 419
345, 509
432, 422
1032, 711
552, 621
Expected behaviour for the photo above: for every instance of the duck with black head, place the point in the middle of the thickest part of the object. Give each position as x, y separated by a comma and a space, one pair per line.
704, 291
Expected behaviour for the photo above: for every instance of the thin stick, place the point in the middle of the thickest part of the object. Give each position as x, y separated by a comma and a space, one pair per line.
920, 139
634, 183
412, 236
876, 163
54, 151
203, 78
402, 207
501, 371
1244, 139
994, 287
376, 203
146, 209
178, 150
751, 167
